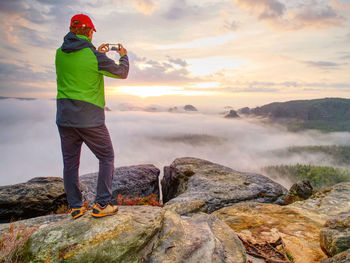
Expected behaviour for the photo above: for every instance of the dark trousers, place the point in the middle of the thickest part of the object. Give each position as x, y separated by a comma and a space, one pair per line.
99, 142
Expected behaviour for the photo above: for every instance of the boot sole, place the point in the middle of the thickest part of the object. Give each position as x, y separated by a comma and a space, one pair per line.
102, 215
79, 215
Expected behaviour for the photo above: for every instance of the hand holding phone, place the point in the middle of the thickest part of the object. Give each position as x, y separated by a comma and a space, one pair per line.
122, 51
103, 48
114, 47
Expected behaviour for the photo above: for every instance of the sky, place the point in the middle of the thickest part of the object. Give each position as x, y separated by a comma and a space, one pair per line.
218, 52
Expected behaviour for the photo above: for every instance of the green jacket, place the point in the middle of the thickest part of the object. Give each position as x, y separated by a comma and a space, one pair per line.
80, 85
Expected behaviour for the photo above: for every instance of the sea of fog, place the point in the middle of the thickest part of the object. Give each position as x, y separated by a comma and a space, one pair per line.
30, 143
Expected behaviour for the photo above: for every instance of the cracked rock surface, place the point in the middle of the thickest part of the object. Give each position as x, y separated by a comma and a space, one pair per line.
189, 179
135, 234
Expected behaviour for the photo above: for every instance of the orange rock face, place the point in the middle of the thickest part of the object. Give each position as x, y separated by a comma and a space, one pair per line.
259, 222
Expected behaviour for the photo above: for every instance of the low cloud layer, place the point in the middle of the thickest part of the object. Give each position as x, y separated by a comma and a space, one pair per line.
30, 144
322, 64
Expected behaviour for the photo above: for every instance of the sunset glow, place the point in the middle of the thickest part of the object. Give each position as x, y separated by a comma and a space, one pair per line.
263, 51
150, 91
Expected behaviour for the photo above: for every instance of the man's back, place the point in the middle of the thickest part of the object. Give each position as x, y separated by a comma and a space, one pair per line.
77, 72
80, 86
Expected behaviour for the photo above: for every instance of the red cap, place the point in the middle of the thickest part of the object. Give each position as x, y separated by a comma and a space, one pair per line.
84, 20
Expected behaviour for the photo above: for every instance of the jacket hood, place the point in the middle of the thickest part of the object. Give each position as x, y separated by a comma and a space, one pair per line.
74, 43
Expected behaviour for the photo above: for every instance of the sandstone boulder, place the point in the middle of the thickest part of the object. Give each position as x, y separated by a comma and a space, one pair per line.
326, 203
189, 179
135, 234
35, 222
259, 222
200, 238
126, 237
335, 236
343, 257
299, 191
135, 180
187, 208
45, 195
39, 196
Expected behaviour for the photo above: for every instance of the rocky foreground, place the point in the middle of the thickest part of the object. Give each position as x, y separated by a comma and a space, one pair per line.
209, 209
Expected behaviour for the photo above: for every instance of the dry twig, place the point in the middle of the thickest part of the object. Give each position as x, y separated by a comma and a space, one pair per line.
268, 251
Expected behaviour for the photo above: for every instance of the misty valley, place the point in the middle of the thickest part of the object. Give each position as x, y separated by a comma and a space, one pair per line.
188, 173
250, 140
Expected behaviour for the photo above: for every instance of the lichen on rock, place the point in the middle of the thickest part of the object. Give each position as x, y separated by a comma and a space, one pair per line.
126, 237
335, 236
217, 185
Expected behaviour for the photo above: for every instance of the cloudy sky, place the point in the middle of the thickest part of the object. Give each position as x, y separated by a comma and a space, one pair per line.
234, 52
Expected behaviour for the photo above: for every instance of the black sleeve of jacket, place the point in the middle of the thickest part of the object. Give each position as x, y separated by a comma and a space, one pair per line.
107, 65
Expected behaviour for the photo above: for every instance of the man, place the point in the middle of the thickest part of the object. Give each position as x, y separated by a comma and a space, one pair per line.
80, 111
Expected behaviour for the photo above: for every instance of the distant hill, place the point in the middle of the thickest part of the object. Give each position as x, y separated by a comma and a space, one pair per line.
190, 107
319, 176
17, 98
337, 154
328, 114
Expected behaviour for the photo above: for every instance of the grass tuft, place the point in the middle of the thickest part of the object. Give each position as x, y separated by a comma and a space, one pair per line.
12, 240
152, 200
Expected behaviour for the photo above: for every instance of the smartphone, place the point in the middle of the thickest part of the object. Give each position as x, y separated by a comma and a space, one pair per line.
115, 47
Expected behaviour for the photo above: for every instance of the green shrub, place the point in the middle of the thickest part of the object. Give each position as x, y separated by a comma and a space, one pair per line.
319, 176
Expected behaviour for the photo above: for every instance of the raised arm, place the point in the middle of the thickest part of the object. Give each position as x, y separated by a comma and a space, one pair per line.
109, 68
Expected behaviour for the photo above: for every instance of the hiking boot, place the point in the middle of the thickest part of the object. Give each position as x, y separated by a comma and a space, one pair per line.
100, 211
77, 212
